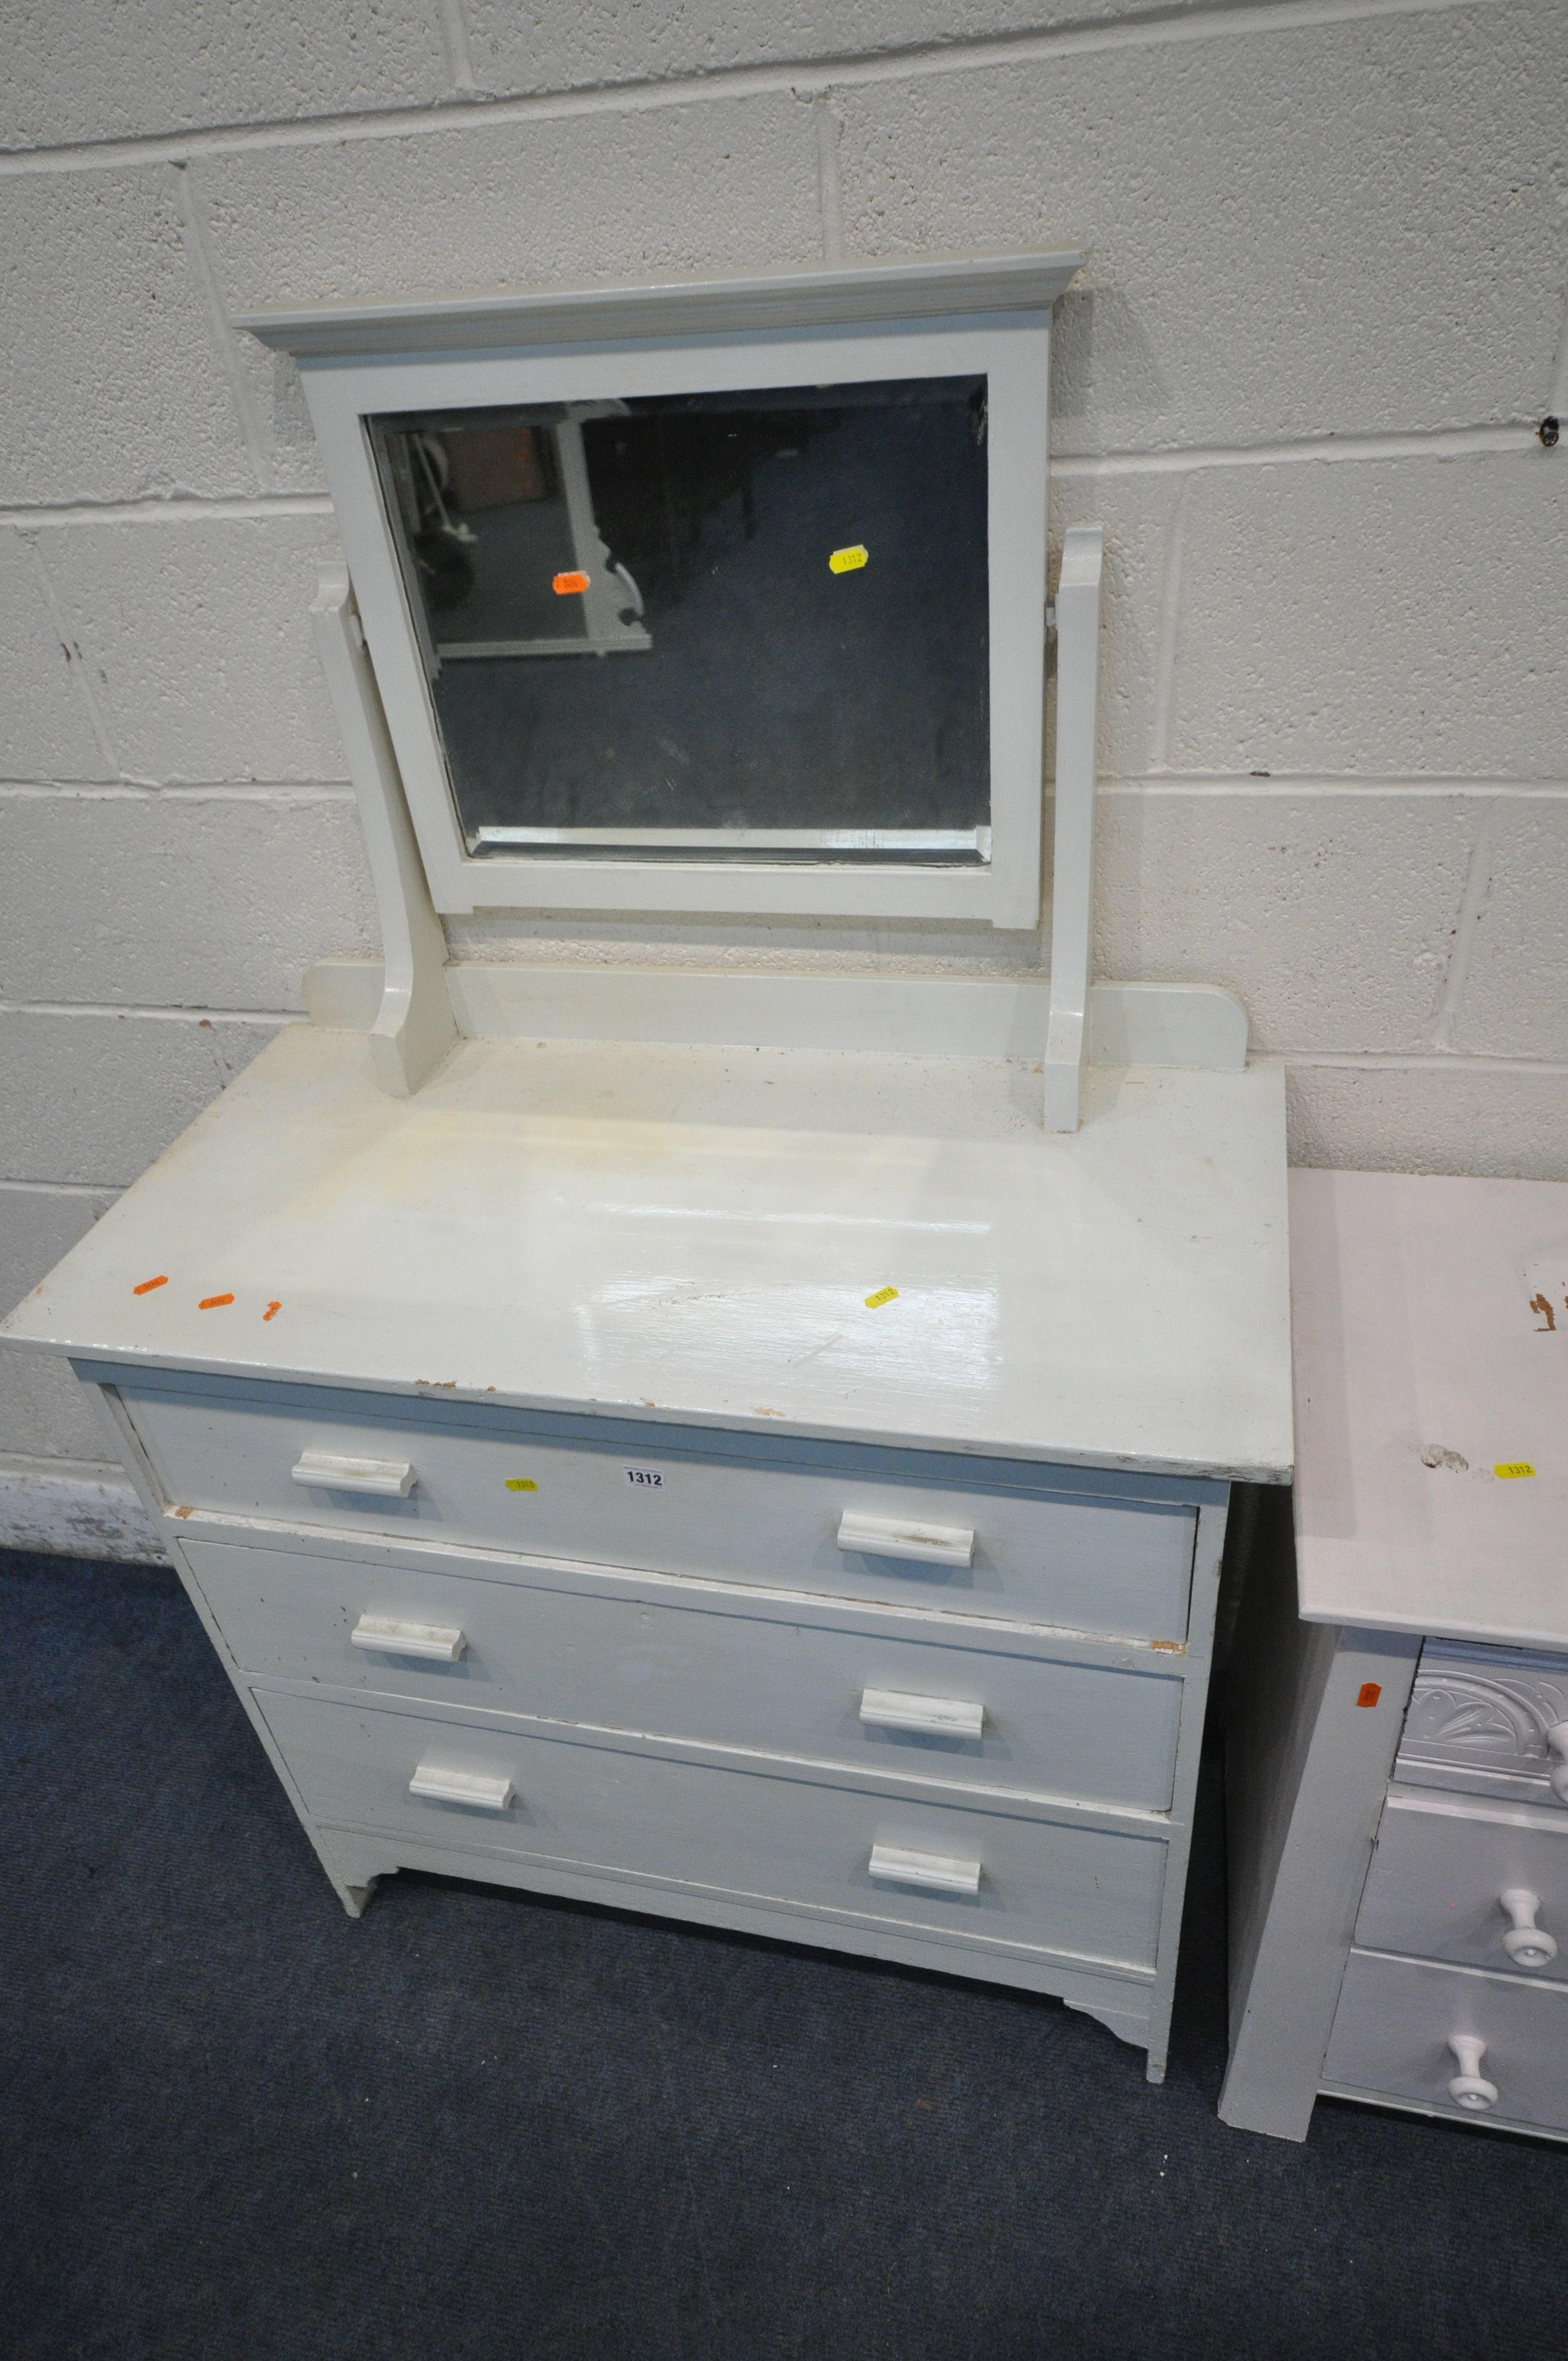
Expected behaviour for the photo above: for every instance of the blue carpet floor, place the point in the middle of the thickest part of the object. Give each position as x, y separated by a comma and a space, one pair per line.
237, 2126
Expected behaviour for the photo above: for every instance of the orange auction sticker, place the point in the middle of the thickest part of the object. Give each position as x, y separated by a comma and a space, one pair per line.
563, 585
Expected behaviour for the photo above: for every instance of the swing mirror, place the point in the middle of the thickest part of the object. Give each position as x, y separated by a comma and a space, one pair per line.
719, 597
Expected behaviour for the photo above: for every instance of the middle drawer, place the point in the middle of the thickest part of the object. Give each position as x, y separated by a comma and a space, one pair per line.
1438, 1876
782, 1678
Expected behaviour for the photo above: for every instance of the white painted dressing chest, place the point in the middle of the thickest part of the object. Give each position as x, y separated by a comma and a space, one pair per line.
1398, 1803
752, 1448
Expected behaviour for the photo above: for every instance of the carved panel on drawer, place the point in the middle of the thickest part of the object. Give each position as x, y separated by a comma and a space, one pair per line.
1488, 1721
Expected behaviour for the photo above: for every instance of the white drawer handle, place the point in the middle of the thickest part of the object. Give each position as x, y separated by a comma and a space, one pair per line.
903, 1537
1557, 1740
341, 1471
946, 1717
1525, 1943
934, 1869
439, 1643
475, 1788
1470, 2087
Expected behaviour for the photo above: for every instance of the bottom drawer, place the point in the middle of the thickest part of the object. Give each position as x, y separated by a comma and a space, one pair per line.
1084, 1893
1398, 2020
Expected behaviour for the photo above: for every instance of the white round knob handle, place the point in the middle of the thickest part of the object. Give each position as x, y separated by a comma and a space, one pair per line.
1557, 1743
1525, 1943
1470, 2087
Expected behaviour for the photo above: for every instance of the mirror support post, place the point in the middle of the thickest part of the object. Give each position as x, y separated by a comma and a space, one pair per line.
1072, 867
414, 1028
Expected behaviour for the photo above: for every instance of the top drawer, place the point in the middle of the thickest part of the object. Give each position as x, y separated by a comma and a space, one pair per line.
1489, 1721
531, 1486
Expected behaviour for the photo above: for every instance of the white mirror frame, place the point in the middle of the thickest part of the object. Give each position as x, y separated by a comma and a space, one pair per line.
924, 319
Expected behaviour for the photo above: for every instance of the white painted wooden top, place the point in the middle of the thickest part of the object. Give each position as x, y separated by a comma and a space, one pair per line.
1423, 1363
691, 1233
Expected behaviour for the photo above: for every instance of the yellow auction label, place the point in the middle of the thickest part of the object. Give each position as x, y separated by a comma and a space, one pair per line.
883, 1295
849, 561
1513, 1467
522, 1484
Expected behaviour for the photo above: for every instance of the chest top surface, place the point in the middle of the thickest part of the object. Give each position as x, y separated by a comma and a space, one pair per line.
1431, 1340
858, 1246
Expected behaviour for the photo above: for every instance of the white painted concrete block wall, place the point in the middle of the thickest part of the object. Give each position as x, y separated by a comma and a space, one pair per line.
1323, 317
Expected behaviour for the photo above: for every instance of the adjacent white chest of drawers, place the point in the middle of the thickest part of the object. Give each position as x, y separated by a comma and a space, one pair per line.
1400, 1748
812, 1533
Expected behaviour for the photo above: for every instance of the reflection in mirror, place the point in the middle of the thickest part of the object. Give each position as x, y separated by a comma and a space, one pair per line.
745, 626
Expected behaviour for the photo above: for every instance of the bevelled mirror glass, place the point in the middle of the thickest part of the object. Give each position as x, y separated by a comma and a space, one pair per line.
748, 625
